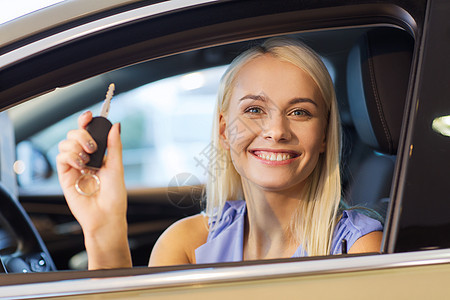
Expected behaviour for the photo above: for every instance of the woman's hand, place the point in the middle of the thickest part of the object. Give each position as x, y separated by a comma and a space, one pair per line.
102, 215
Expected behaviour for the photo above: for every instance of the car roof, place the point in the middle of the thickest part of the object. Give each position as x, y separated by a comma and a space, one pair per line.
54, 16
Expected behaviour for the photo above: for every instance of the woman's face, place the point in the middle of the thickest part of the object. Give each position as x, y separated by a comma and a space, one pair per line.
275, 124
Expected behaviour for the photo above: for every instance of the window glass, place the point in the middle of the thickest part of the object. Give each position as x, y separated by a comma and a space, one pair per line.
165, 127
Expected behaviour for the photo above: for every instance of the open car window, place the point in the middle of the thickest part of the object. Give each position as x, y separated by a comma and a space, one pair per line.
165, 107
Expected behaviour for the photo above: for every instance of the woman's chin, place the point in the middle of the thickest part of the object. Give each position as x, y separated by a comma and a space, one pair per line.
277, 185
274, 179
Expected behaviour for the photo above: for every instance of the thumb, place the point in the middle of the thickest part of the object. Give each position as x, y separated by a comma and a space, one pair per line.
114, 155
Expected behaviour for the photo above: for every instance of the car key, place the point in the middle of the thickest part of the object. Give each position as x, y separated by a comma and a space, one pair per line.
99, 128
88, 183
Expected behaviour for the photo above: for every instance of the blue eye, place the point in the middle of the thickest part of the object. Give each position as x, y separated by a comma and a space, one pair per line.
254, 110
300, 113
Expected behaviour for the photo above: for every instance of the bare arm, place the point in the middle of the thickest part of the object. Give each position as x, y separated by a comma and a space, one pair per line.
370, 242
176, 246
102, 215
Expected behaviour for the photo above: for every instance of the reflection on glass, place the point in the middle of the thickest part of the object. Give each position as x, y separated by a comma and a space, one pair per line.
442, 125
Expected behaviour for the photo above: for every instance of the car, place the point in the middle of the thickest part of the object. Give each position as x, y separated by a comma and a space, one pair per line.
389, 64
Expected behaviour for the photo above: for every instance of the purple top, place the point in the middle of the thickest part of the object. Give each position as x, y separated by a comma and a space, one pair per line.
226, 242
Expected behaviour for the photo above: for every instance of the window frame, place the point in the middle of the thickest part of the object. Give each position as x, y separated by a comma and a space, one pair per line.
262, 26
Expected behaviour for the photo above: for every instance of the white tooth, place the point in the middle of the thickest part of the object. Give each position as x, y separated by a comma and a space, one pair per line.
275, 156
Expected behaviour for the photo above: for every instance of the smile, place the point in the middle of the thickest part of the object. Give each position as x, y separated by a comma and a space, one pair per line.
270, 156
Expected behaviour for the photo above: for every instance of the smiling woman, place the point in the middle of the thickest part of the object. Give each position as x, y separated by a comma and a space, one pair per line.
276, 143
277, 129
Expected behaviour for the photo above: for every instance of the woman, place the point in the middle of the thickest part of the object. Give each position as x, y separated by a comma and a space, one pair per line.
276, 133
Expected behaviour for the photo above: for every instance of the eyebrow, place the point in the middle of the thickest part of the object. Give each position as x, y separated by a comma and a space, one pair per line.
254, 97
302, 100
265, 99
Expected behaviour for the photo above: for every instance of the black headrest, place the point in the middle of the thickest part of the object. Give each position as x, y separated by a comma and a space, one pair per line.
378, 70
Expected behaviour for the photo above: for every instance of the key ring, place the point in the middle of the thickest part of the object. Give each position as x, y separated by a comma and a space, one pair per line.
88, 183
84, 182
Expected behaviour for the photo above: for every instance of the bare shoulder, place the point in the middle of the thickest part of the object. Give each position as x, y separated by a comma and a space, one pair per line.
178, 243
370, 242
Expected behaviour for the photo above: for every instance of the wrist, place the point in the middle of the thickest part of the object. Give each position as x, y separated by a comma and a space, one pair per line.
107, 247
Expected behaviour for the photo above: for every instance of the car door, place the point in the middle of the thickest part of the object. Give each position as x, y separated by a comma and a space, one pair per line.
411, 225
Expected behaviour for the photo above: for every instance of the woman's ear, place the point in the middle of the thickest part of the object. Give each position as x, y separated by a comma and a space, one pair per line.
323, 146
223, 136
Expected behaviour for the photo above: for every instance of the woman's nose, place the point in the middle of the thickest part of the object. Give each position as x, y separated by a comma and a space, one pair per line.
277, 128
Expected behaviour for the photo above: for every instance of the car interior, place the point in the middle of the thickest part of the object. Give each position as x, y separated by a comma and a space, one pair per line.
370, 67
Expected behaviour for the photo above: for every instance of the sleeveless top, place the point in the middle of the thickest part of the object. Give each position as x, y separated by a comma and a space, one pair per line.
226, 242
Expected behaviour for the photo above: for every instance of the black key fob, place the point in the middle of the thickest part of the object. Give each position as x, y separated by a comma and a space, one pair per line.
98, 128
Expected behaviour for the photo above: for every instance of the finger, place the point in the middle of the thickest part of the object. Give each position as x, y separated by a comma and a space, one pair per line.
65, 160
84, 139
84, 119
114, 156
73, 146
67, 175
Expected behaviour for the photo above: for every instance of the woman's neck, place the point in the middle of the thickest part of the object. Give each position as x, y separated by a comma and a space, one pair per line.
267, 231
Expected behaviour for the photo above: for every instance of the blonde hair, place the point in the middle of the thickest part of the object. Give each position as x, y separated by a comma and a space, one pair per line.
314, 222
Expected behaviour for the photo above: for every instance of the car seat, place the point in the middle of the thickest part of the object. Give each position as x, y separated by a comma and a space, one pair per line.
378, 70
